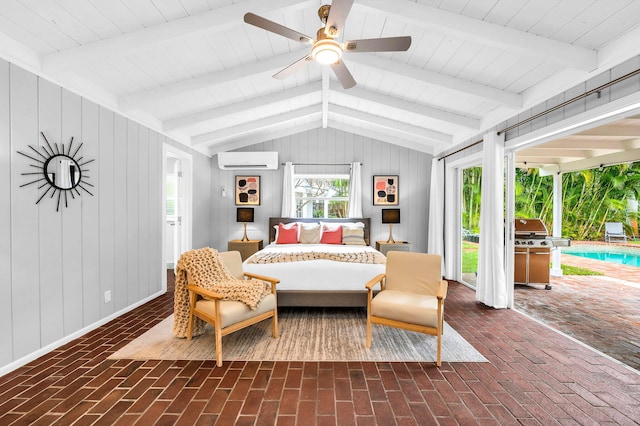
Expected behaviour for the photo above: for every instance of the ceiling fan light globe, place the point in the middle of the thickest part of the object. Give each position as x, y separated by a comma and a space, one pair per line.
326, 51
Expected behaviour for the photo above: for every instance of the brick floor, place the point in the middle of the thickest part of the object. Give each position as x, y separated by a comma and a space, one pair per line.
534, 376
601, 311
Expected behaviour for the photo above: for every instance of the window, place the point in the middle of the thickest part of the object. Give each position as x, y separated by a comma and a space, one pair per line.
322, 196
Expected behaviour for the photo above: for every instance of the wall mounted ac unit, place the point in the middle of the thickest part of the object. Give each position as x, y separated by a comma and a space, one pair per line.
248, 160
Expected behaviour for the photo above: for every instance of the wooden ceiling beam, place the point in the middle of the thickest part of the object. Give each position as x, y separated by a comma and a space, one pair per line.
278, 120
262, 136
375, 121
480, 91
242, 107
448, 117
482, 32
397, 139
621, 157
217, 20
268, 66
325, 96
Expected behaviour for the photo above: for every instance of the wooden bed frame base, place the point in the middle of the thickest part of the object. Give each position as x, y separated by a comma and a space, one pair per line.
322, 299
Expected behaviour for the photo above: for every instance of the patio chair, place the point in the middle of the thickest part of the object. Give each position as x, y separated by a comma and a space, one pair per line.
614, 230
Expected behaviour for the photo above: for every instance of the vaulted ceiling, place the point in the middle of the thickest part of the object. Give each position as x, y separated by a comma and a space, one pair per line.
196, 71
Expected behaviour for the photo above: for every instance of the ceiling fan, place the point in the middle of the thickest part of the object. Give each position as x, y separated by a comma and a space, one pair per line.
325, 49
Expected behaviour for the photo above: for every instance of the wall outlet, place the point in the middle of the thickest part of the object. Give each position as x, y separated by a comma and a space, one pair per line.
107, 296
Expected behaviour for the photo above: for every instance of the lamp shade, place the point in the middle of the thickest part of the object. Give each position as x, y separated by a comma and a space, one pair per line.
244, 214
326, 51
390, 215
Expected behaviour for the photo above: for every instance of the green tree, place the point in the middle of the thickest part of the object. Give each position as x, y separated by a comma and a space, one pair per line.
590, 198
319, 191
471, 193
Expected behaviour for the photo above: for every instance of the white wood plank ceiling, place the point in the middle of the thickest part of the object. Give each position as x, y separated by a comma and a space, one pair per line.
195, 70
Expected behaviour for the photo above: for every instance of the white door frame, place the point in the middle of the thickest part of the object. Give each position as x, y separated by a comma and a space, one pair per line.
187, 205
454, 179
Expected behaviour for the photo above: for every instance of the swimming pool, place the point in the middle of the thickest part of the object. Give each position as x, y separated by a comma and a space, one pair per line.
622, 255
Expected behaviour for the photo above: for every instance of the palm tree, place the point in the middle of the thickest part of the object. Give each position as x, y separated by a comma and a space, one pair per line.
590, 198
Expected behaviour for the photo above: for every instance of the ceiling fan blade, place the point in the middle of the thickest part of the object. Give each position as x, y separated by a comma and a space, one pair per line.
389, 44
268, 25
344, 76
337, 15
293, 68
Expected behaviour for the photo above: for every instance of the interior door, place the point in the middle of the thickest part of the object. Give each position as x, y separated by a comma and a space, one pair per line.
174, 209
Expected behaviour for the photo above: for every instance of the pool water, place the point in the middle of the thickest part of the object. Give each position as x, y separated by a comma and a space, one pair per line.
622, 255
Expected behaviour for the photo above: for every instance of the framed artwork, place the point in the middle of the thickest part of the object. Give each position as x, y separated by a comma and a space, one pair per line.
385, 190
247, 190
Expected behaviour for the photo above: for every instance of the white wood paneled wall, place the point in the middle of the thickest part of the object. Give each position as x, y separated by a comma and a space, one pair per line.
329, 146
57, 266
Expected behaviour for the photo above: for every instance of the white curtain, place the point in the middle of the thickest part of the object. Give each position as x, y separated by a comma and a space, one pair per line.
435, 242
288, 192
491, 287
355, 190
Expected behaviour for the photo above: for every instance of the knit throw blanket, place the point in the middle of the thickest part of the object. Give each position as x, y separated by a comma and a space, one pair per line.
206, 270
359, 257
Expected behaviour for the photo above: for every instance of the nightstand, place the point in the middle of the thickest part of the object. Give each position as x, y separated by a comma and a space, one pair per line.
246, 248
383, 246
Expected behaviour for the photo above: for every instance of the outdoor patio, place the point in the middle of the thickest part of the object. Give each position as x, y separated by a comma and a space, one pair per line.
600, 311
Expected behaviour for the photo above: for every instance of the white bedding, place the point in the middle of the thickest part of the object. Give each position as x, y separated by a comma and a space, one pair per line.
317, 274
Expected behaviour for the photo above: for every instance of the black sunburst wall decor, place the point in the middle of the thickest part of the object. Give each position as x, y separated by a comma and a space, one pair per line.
60, 170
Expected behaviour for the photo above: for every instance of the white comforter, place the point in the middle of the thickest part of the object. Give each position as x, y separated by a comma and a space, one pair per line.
326, 275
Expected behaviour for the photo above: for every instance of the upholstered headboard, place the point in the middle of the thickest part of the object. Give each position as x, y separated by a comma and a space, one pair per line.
274, 221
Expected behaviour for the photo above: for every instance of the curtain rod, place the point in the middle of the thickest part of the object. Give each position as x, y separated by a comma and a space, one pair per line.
320, 164
547, 111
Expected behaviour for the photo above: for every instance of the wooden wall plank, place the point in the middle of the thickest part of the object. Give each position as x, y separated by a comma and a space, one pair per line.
50, 220
105, 191
71, 226
25, 289
143, 211
131, 208
92, 299
120, 215
6, 183
202, 204
156, 215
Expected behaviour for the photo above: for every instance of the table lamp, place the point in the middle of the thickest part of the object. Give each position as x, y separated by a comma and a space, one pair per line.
244, 215
390, 216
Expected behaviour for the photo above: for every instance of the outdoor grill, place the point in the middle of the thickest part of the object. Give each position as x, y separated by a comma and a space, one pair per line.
533, 252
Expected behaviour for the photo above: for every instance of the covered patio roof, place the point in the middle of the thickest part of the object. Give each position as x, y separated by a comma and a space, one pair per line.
607, 144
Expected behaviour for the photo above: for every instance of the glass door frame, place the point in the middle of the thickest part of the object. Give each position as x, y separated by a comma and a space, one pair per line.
453, 201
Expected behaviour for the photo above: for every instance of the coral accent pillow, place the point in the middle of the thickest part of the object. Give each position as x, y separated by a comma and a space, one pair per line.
331, 236
287, 235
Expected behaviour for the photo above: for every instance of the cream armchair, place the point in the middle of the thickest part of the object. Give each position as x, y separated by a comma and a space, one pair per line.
411, 296
227, 316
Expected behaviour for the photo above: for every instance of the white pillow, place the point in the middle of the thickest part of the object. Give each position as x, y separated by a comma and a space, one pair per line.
335, 225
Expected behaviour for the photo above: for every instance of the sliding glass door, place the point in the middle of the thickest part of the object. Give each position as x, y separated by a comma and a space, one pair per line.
470, 223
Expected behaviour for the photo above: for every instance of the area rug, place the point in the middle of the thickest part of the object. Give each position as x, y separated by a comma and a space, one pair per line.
320, 334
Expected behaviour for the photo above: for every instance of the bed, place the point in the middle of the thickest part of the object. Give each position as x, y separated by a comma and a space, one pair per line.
319, 282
